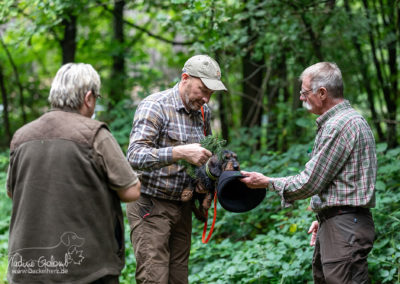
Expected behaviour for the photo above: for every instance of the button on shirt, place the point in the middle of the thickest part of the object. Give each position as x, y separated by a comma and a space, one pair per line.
342, 169
161, 122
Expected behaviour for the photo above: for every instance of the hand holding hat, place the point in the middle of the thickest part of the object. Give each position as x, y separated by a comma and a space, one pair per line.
236, 196
254, 179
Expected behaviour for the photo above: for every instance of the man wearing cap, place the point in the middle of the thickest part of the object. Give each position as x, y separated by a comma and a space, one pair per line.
168, 127
340, 178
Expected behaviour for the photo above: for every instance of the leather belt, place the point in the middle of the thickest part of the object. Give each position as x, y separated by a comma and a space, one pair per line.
330, 212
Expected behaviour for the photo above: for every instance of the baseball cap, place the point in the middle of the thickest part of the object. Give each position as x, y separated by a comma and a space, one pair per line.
207, 69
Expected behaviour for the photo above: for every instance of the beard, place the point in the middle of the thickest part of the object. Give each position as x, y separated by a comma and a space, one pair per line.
192, 105
307, 106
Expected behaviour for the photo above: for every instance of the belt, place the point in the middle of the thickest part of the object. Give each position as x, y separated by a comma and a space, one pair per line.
330, 212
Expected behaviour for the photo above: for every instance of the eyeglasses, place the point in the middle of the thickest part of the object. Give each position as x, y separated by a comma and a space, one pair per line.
97, 96
303, 93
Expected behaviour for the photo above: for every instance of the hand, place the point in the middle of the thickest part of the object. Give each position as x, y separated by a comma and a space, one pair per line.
192, 153
313, 229
254, 179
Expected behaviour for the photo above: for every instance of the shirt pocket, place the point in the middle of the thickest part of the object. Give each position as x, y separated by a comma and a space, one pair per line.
175, 138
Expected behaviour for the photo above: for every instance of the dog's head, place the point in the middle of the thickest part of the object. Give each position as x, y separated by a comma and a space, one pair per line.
229, 161
71, 239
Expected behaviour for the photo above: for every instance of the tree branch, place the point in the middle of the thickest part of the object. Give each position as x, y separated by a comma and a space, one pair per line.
16, 74
149, 33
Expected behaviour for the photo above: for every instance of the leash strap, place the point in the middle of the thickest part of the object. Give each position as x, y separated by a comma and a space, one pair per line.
205, 240
204, 121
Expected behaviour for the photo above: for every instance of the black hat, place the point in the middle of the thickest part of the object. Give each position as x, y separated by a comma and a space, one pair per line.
235, 196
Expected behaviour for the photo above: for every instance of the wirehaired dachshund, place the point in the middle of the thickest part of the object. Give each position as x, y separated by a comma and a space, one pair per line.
202, 188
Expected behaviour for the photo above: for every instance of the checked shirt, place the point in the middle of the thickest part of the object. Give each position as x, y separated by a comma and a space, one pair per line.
161, 121
342, 168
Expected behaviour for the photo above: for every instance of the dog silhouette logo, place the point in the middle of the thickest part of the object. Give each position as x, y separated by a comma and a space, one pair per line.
55, 259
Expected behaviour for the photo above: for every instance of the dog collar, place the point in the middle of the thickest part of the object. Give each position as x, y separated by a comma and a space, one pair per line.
209, 173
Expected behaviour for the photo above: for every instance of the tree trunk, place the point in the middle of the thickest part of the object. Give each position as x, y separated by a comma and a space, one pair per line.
388, 85
252, 99
117, 80
224, 104
366, 80
5, 107
223, 117
68, 43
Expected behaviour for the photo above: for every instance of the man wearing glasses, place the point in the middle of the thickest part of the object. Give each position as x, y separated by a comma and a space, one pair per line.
340, 178
66, 178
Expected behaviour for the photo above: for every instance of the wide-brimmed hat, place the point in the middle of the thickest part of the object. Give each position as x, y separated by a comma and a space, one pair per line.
235, 196
207, 69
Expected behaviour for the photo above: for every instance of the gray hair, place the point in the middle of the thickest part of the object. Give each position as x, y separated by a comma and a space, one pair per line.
72, 82
325, 74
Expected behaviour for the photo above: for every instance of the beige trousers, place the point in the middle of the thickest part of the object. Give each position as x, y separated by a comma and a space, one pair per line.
161, 237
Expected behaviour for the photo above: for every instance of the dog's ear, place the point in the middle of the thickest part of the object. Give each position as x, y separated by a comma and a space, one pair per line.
215, 166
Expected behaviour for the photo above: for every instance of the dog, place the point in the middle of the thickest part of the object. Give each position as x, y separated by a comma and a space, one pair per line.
201, 189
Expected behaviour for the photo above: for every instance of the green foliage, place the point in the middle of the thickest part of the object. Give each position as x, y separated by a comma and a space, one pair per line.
384, 259
211, 143
5, 216
120, 121
267, 244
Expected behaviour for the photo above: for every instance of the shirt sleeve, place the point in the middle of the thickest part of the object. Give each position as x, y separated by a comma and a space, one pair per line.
327, 161
143, 151
113, 162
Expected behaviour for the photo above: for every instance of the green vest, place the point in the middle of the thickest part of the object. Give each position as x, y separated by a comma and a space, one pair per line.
66, 224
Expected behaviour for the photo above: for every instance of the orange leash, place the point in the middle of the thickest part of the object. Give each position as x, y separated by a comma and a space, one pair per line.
205, 240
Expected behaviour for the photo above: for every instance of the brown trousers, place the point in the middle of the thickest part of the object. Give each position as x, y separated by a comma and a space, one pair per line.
161, 238
342, 247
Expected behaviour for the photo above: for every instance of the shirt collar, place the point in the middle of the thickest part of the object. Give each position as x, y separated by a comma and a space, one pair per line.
179, 106
332, 112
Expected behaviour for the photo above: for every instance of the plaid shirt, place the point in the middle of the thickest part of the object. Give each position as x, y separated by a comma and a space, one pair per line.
161, 121
342, 169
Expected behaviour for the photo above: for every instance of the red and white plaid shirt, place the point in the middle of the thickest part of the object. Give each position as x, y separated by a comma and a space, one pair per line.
342, 169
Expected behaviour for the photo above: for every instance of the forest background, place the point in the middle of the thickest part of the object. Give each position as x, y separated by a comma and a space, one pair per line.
262, 46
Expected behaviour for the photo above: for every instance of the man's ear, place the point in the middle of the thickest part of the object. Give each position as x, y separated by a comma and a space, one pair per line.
323, 92
185, 76
88, 99
88, 104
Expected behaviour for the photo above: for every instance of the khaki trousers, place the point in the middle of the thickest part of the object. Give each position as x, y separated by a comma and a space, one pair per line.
342, 247
161, 238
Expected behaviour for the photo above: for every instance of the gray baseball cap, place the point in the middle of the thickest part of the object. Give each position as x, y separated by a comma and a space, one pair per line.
207, 69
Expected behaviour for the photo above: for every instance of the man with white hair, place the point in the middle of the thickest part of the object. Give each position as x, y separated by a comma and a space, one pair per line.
340, 178
67, 176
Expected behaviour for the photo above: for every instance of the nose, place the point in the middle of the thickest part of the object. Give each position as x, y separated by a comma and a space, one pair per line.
236, 166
